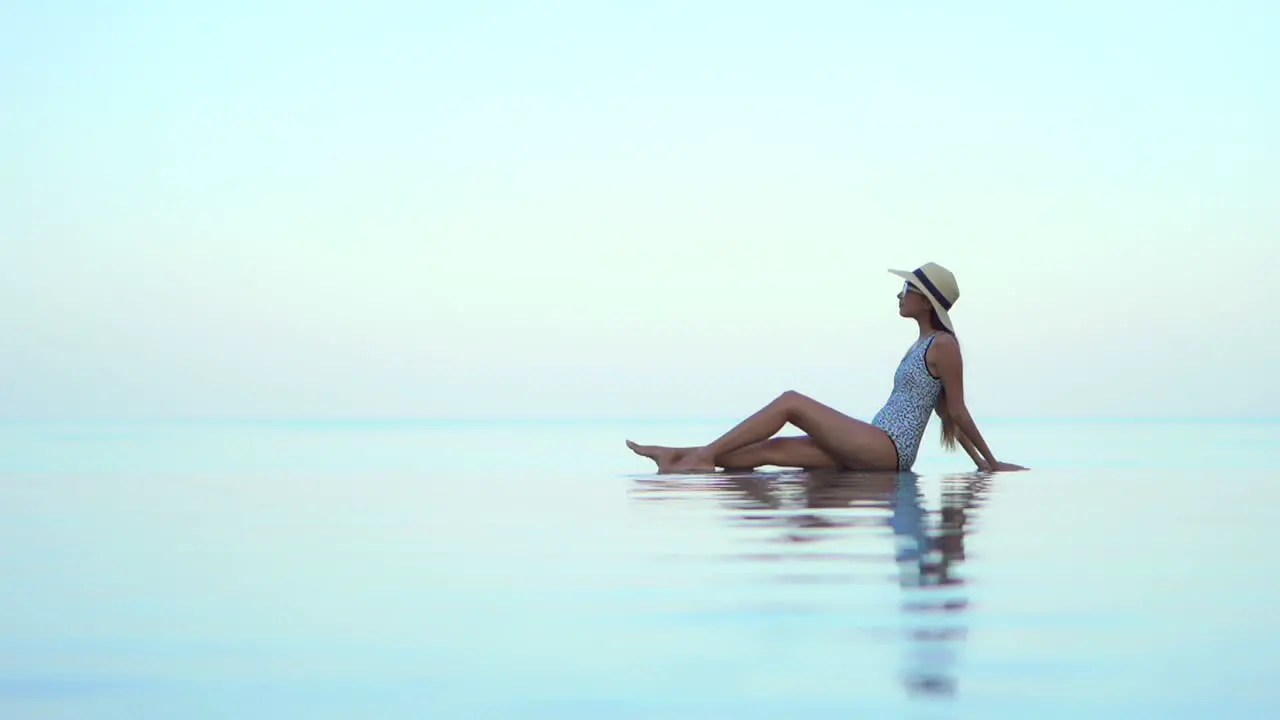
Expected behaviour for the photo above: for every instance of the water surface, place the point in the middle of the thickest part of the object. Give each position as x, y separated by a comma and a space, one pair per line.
343, 570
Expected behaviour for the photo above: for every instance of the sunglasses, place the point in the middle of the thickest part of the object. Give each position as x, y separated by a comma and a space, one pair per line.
908, 288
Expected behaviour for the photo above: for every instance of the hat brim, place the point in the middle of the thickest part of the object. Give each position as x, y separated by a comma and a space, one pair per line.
915, 282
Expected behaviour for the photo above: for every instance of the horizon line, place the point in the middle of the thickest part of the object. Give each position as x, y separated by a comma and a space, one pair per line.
499, 419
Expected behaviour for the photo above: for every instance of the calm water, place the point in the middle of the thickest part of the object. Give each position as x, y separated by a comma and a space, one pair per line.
386, 570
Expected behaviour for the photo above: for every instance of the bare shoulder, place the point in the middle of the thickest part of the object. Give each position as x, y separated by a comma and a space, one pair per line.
946, 345
946, 340
944, 353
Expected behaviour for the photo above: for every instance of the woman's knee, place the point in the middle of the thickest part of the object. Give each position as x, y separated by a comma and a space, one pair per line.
791, 400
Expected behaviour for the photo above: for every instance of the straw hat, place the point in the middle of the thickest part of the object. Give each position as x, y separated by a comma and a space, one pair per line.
936, 283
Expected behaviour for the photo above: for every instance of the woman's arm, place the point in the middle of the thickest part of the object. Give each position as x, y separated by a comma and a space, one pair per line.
961, 438
976, 456
950, 368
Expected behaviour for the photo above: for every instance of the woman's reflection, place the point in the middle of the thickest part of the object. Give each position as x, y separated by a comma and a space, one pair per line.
928, 551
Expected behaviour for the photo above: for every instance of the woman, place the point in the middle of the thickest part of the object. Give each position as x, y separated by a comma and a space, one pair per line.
930, 378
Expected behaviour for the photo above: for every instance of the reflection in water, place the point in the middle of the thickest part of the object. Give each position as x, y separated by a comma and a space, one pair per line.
927, 547
927, 560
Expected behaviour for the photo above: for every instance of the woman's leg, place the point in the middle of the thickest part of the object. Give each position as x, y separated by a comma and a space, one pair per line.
791, 452
788, 452
852, 443
663, 455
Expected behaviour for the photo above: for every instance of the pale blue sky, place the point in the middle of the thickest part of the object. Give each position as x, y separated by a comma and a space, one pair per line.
632, 209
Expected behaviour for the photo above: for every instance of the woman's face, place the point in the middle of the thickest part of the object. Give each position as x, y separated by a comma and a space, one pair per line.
911, 302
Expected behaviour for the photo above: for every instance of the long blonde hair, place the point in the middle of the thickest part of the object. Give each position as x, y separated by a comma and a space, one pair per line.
948, 433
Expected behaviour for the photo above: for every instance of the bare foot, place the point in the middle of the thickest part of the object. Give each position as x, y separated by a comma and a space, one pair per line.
663, 456
695, 461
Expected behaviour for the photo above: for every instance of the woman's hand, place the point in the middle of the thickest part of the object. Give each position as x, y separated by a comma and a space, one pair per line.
1007, 467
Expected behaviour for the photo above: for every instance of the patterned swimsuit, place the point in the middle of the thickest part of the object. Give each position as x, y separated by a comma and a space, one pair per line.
915, 393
